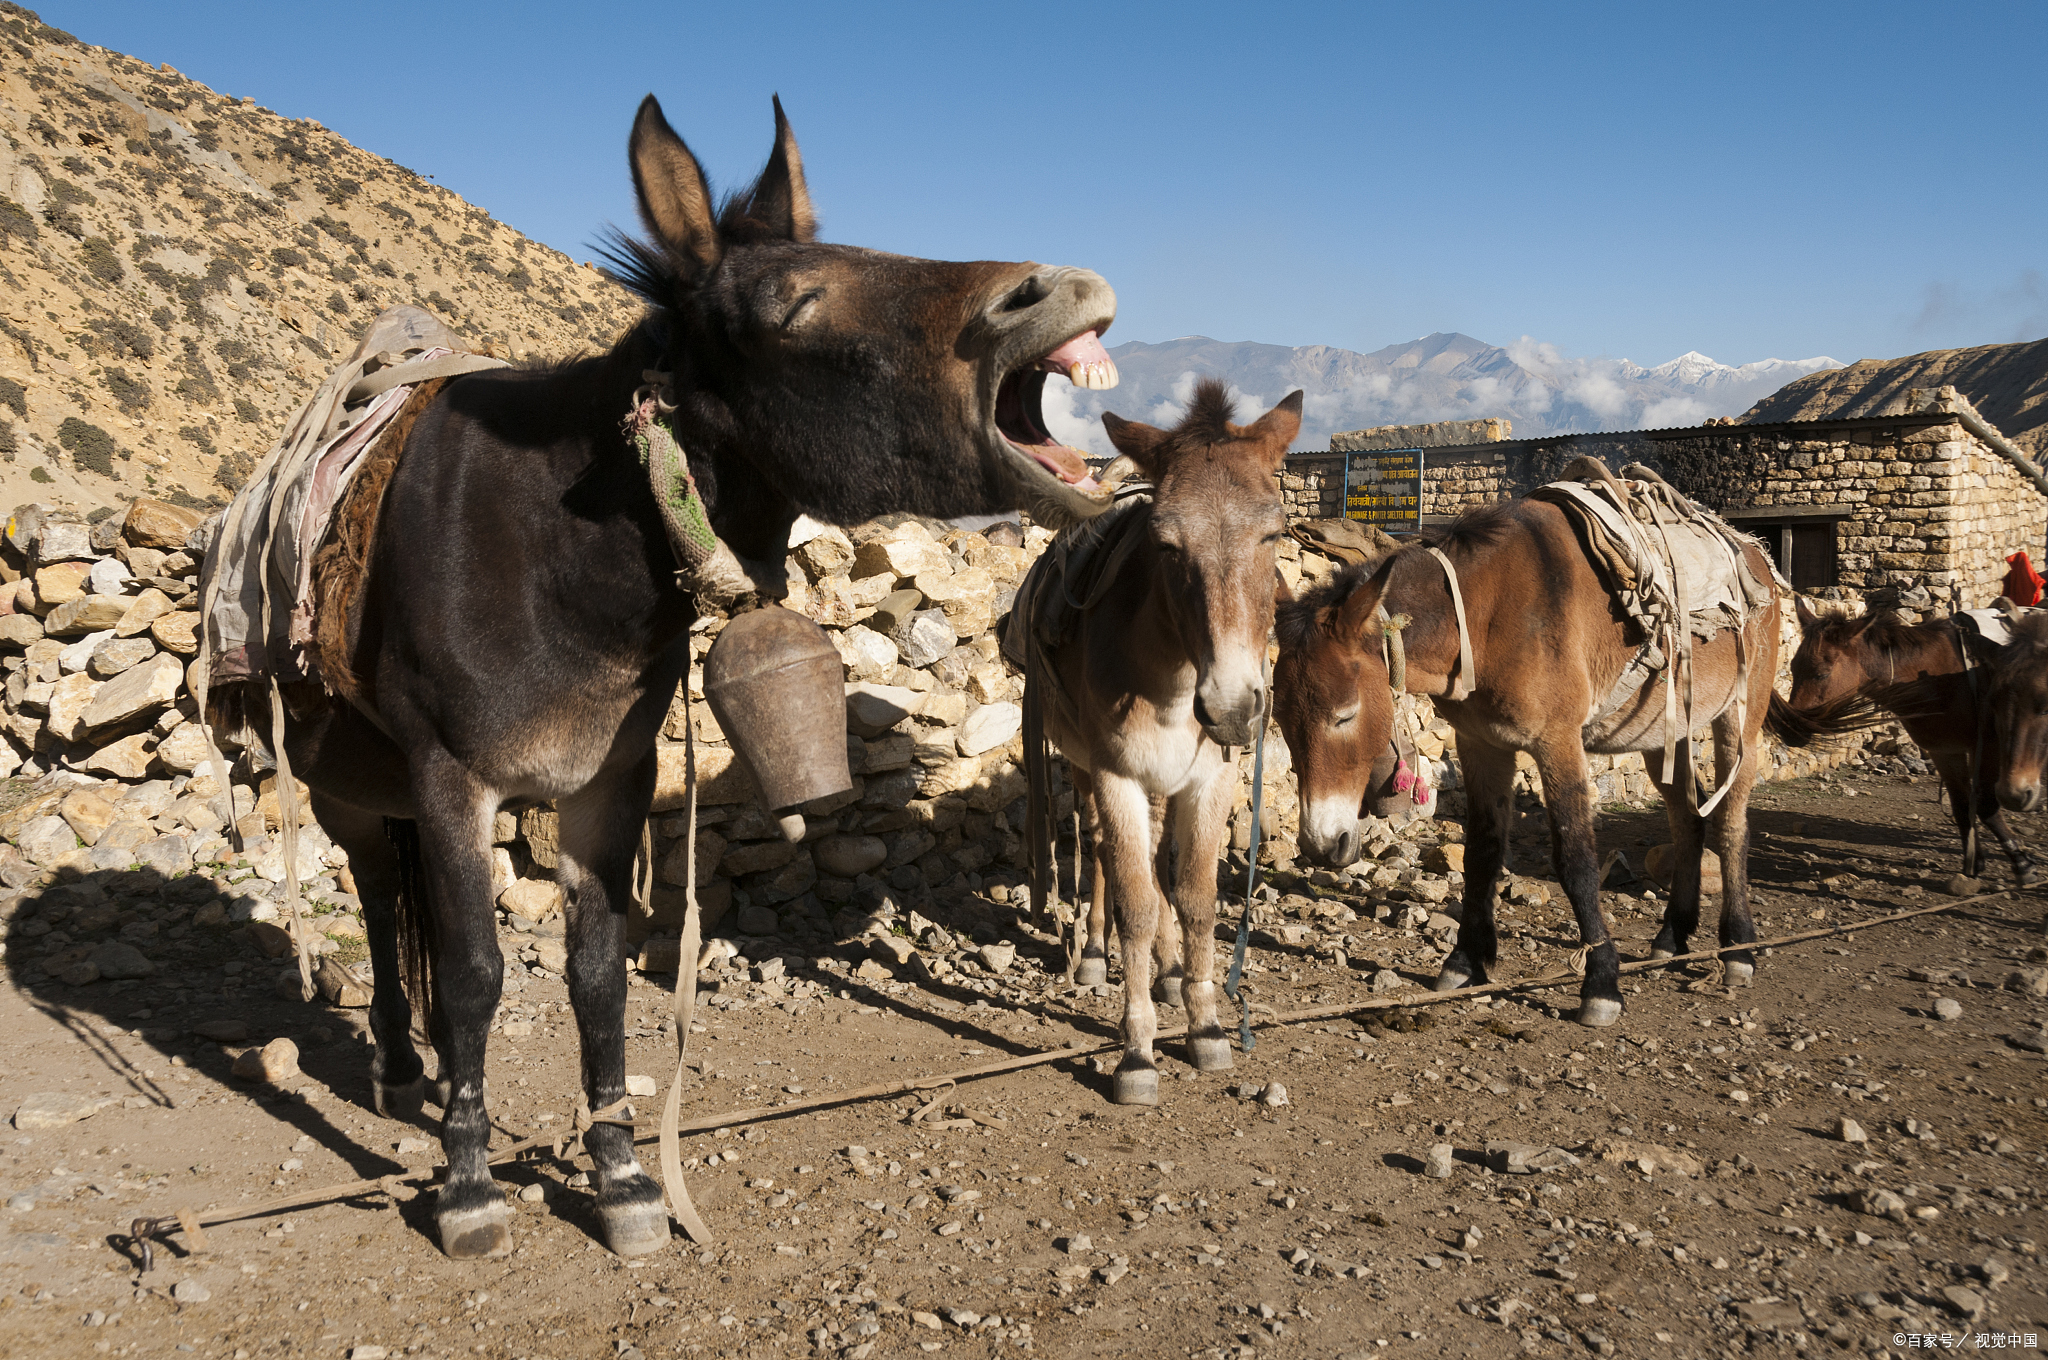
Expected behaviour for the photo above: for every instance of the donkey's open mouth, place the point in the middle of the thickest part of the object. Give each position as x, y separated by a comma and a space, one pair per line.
1020, 414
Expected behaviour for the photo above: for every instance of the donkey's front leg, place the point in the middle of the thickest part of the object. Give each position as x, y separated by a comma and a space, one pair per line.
455, 814
1568, 796
1201, 823
1127, 838
1489, 817
600, 833
1688, 839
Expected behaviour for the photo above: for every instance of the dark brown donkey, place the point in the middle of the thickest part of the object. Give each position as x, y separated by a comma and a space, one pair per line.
1846, 665
520, 633
1165, 676
1547, 647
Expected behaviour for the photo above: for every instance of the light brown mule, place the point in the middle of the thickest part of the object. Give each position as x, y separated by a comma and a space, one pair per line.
1165, 677
1547, 648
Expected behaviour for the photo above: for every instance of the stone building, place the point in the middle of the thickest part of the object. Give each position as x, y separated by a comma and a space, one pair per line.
1896, 509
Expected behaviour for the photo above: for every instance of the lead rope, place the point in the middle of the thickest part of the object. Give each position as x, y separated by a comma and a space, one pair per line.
1245, 1037
686, 992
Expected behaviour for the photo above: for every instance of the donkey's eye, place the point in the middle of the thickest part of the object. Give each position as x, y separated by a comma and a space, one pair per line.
801, 308
1345, 718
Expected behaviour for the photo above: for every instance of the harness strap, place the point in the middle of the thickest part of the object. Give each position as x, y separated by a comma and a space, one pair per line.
1462, 683
686, 990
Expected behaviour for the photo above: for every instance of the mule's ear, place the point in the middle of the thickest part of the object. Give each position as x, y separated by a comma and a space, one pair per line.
781, 199
1276, 429
674, 201
1353, 619
1807, 618
1136, 441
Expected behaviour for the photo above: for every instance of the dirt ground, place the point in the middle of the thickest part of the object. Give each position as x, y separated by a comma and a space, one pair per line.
1063, 1225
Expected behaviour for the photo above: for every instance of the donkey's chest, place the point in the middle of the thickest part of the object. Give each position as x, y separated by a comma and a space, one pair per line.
1159, 749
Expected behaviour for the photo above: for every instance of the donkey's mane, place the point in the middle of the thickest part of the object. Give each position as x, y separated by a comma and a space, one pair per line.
1210, 414
2029, 639
642, 267
1478, 527
1296, 621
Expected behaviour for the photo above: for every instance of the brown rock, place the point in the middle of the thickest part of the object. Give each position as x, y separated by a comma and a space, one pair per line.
69, 698
86, 614
533, 899
154, 524
340, 986
87, 814
128, 758
134, 692
59, 583
151, 605
20, 630
275, 1063
272, 939
177, 631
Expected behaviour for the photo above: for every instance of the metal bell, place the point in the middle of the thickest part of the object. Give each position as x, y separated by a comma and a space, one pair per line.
775, 683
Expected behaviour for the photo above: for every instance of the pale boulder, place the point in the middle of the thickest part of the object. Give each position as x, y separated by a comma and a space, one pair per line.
20, 630
87, 813
134, 692
533, 899
872, 709
87, 614
176, 632
990, 726
156, 524
59, 583
129, 758
145, 609
69, 699
184, 750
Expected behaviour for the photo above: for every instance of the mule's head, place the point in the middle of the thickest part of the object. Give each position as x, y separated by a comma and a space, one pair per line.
854, 382
1831, 664
1334, 702
1216, 518
2018, 701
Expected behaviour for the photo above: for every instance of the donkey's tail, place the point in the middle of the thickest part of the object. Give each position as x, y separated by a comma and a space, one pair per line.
418, 940
1037, 799
1825, 725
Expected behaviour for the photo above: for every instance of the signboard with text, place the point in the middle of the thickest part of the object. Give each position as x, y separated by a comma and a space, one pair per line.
1383, 488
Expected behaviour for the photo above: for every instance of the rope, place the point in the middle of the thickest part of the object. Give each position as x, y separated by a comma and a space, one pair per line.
1467, 677
686, 994
1251, 876
143, 1230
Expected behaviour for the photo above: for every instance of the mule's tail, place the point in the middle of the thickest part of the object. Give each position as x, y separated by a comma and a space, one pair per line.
1825, 725
1038, 849
418, 940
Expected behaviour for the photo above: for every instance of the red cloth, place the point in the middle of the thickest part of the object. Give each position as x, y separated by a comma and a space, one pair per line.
2022, 584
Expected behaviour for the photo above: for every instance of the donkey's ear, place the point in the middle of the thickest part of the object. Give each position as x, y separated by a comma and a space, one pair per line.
1135, 440
674, 202
781, 199
1276, 429
1807, 618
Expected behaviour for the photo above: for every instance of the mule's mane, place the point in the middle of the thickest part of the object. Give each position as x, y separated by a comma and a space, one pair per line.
1210, 414
1478, 527
1884, 630
642, 267
2029, 640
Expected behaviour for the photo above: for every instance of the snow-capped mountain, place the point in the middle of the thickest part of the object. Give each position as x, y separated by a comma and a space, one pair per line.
1445, 376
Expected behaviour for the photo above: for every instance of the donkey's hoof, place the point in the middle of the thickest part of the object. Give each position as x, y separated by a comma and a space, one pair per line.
1737, 974
1451, 979
1092, 972
471, 1234
1598, 1012
1137, 1086
399, 1102
1210, 1054
636, 1222
437, 1091
1166, 991
1662, 953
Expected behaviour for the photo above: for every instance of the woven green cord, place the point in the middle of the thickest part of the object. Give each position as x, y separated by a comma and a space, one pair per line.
682, 509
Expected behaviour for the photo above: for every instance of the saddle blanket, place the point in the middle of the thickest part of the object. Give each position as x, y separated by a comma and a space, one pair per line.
257, 583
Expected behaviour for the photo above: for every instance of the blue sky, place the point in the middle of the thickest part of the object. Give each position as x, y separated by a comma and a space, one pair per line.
1747, 180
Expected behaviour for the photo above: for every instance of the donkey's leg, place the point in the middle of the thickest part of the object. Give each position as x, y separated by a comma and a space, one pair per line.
1167, 973
1489, 820
1094, 969
1127, 838
1201, 825
397, 1076
1954, 769
455, 814
1731, 843
1568, 797
1992, 817
1688, 831
600, 834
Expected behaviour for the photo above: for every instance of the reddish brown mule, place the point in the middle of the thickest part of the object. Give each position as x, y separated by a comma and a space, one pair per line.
1846, 665
2018, 706
1547, 647
1165, 677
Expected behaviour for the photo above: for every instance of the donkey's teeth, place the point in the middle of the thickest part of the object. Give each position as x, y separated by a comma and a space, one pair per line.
1083, 361
1099, 375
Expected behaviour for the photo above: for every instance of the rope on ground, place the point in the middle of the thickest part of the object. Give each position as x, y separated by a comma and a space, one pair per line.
144, 1231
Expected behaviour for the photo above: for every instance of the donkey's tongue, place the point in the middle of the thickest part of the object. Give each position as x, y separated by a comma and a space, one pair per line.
1083, 362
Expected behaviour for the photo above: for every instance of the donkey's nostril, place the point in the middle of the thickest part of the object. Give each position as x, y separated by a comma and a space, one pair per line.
1029, 293
1347, 848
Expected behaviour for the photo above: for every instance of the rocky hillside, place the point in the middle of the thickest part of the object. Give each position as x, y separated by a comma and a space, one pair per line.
180, 268
2008, 384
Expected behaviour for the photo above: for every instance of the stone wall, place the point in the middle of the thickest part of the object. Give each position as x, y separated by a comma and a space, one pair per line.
1312, 484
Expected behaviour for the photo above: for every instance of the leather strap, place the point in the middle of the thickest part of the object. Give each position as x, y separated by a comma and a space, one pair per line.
399, 375
1461, 683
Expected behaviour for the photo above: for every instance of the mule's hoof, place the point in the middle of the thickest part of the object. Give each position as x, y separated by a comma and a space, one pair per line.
1598, 1012
1737, 974
1166, 991
399, 1102
1210, 1054
472, 1234
1138, 1086
1451, 979
635, 1227
437, 1091
1092, 972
